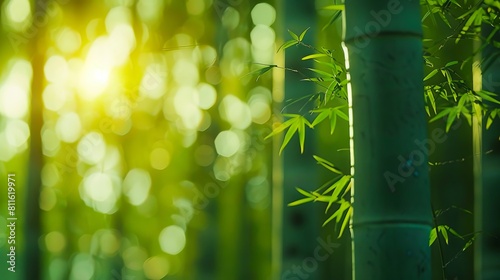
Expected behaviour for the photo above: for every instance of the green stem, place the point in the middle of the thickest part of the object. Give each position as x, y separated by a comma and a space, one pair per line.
434, 218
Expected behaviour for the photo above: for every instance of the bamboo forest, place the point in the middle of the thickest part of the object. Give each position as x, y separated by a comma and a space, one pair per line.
250, 139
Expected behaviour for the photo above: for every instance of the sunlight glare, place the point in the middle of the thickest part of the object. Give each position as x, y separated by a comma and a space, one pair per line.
18, 10
68, 40
92, 148
56, 69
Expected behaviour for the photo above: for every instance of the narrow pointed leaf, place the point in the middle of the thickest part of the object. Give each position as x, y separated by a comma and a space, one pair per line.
294, 36
301, 36
313, 56
301, 201
432, 236
334, 7
305, 193
289, 134
347, 218
431, 74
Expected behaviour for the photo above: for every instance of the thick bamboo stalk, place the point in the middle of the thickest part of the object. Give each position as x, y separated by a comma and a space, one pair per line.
391, 196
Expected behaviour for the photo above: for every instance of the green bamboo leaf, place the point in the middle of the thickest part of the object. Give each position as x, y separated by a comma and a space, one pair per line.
443, 231
318, 79
301, 36
490, 118
454, 113
348, 189
328, 165
334, 17
305, 193
341, 114
333, 122
337, 215
323, 73
263, 70
463, 100
289, 134
315, 55
323, 114
294, 36
280, 128
333, 216
486, 95
432, 236
451, 63
287, 44
334, 7
467, 245
301, 201
322, 198
431, 74
342, 183
430, 95
454, 232
473, 19
441, 114
347, 218
445, 20
337, 188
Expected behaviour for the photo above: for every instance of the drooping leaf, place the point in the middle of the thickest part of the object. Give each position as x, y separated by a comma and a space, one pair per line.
340, 113
443, 231
333, 122
454, 232
432, 236
347, 218
430, 95
454, 113
326, 164
289, 134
